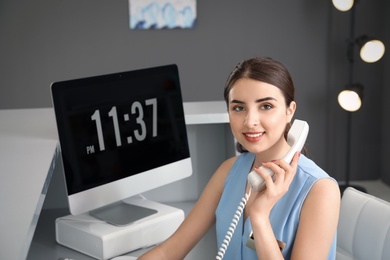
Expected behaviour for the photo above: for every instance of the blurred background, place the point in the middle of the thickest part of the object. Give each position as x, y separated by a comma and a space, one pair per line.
45, 41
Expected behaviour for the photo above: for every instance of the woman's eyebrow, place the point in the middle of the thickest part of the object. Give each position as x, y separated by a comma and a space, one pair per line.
237, 101
257, 100
265, 99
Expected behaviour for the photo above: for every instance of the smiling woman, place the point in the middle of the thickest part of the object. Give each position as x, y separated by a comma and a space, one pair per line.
296, 215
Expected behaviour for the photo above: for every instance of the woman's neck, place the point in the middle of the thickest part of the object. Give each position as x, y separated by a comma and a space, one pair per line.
276, 152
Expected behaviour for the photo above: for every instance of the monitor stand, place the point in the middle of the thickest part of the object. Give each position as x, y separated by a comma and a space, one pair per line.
102, 240
122, 213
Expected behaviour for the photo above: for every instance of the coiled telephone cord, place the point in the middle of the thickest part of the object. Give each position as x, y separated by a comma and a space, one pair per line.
232, 227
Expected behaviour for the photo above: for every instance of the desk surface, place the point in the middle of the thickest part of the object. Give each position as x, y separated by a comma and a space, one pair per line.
28, 148
28, 151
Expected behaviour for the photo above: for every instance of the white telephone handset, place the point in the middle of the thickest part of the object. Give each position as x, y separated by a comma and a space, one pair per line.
296, 138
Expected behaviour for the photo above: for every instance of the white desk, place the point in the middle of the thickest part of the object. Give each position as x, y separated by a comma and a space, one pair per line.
28, 148
28, 151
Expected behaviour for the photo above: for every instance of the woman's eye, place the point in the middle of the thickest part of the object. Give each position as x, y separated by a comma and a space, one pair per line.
266, 107
238, 108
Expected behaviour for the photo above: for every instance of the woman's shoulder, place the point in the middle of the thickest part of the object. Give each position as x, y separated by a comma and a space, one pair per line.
226, 165
238, 159
309, 167
320, 178
235, 162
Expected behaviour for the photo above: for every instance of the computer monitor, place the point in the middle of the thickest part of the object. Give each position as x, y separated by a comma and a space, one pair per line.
120, 134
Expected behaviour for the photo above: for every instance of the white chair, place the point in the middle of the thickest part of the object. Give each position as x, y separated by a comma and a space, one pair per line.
363, 230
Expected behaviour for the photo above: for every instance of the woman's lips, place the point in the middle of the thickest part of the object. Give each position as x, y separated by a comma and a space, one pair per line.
253, 136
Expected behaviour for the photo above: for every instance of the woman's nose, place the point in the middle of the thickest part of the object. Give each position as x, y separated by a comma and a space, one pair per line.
252, 119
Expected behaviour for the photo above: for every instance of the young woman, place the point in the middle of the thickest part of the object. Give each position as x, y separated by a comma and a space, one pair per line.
296, 216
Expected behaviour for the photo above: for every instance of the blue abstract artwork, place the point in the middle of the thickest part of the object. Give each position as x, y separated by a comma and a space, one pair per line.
162, 14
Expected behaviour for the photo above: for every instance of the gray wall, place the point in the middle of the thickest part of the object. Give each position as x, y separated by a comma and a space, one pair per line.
44, 41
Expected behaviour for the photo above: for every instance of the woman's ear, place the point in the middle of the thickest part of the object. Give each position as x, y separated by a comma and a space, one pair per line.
291, 110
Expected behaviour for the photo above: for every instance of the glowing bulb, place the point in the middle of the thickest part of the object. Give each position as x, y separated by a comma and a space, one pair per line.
343, 5
349, 100
372, 51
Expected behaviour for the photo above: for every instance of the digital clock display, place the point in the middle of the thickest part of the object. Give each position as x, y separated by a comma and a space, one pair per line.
117, 125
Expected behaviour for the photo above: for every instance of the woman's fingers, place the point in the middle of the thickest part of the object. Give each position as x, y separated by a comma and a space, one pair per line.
265, 174
284, 172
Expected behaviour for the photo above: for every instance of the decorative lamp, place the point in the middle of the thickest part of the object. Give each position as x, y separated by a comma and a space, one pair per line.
343, 5
371, 50
350, 99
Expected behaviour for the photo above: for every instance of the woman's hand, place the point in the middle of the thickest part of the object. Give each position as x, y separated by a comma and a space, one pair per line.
284, 174
263, 202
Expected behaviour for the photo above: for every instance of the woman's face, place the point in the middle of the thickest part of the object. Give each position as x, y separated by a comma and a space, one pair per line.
258, 117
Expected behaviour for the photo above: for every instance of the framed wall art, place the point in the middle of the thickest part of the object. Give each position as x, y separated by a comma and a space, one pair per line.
162, 14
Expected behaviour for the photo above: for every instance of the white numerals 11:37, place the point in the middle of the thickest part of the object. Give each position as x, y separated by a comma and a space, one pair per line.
136, 109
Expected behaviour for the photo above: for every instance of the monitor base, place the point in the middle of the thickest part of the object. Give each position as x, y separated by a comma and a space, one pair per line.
102, 240
122, 213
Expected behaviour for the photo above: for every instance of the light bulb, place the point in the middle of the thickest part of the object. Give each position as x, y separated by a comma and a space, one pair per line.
343, 5
349, 100
372, 51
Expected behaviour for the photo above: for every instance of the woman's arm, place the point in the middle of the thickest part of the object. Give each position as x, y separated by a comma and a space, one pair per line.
198, 221
318, 218
318, 221
266, 244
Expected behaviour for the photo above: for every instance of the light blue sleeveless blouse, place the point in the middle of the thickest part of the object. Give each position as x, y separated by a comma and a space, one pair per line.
284, 216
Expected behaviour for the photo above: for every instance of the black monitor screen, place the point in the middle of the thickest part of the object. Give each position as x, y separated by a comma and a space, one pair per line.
117, 125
